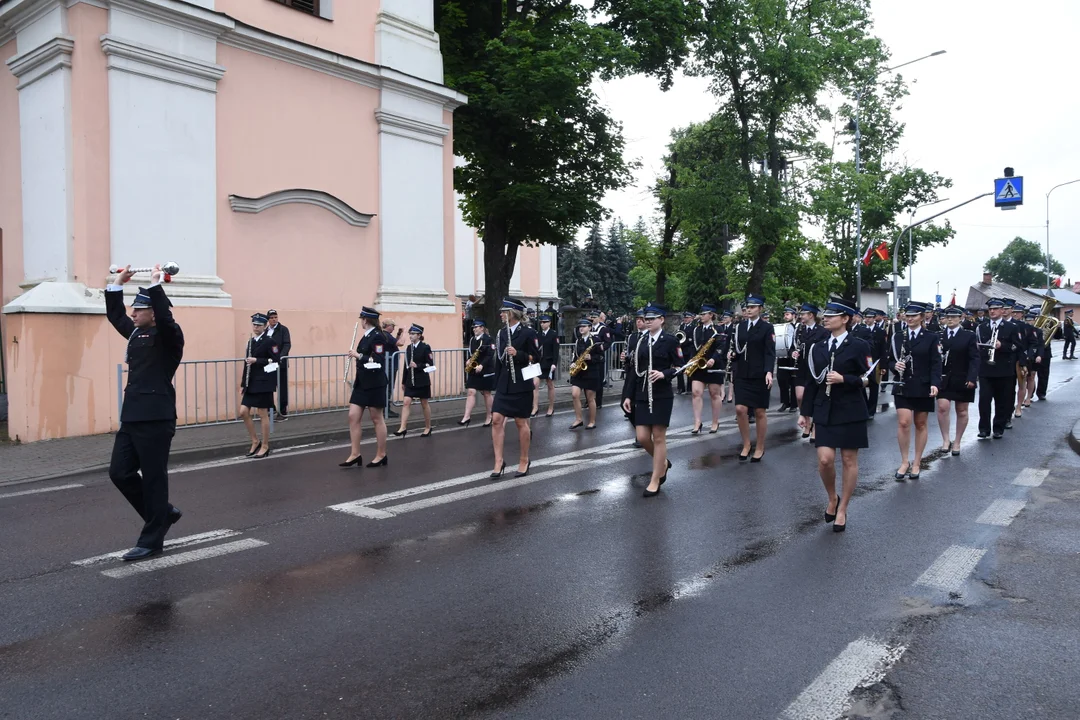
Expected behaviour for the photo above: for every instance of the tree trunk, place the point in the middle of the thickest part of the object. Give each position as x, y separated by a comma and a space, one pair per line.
500, 254
667, 241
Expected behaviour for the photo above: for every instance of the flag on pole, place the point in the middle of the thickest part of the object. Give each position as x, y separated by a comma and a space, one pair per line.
953, 301
881, 252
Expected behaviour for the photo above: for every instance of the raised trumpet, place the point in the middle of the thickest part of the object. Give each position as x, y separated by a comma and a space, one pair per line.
169, 268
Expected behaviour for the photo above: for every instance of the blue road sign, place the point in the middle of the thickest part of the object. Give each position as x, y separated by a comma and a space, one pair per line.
937, 299
1009, 192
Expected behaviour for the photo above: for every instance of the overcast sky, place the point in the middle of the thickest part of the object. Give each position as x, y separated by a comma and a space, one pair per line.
1005, 94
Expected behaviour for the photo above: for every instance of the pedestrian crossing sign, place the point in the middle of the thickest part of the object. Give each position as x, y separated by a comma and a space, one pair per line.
1008, 192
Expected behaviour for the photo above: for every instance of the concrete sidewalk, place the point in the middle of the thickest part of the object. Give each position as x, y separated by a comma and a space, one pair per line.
67, 457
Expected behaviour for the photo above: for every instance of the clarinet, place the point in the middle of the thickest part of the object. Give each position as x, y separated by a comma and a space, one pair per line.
904, 359
506, 353
412, 370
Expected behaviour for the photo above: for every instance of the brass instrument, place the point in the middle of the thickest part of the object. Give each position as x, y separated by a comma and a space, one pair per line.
680, 336
352, 346
699, 360
410, 353
470, 365
581, 363
506, 352
1047, 322
906, 358
993, 346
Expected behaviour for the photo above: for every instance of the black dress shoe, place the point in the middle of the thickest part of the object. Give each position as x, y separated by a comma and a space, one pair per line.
757, 458
426, 434
497, 475
251, 453
349, 463
576, 425
982, 435
829, 517
519, 473
696, 430
140, 553
650, 493
998, 435
713, 430
837, 527
260, 456
174, 516
464, 422
380, 463
744, 458
1008, 425
401, 433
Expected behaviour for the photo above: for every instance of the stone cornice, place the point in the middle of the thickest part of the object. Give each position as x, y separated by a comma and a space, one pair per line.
18, 14
178, 14
317, 198
410, 127
42, 60
151, 62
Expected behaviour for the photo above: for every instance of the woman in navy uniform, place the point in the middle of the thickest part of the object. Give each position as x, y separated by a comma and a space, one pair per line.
482, 378
139, 467
727, 325
516, 348
753, 352
712, 375
917, 362
687, 329
369, 389
629, 357
785, 366
588, 380
549, 364
810, 333
959, 376
834, 400
657, 359
259, 381
415, 380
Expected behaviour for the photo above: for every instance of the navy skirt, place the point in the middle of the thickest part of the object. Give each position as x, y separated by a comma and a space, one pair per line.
660, 415
846, 436
587, 382
708, 377
513, 405
545, 370
258, 399
751, 392
375, 397
480, 382
915, 404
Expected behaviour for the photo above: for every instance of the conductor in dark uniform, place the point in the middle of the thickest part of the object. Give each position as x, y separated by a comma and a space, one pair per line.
369, 389
516, 350
839, 369
999, 341
959, 376
280, 333
657, 358
258, 382
155, 347
753, 344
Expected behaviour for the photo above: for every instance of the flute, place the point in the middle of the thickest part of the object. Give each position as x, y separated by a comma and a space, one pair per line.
352, 346
509, 357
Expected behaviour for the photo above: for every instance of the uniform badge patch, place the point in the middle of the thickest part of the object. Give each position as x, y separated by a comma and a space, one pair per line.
678, 351
274, 349
378, 348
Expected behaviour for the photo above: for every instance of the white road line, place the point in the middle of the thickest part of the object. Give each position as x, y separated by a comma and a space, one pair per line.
41, 490
497, 486
617, 451
950, 571
1001, 512
565, 462
169, 545
862, 663
1031, 477
363, 511
166, 561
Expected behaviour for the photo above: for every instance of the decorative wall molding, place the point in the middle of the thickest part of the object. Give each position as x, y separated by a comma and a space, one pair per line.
400, 23
17, 15
326, 201
416, 300
174, 13
35, 64
6, 35
405, 126
150, 62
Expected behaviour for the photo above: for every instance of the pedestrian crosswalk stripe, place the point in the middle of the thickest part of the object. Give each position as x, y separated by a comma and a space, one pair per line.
950, 571
180, 542
861, 664
1031, 477
167, 561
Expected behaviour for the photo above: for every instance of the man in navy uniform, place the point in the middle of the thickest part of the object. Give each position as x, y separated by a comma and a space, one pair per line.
1068, 331
997, 379
1042, 352
280, 333
155, 347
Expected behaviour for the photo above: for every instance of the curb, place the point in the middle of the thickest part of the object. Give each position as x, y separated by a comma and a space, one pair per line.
1074, 438
217, 452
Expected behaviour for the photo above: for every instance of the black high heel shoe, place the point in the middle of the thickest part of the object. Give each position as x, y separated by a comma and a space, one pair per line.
653, 493
901, 475
497, 475
576, 425
713, 430
252, 451
487, 424
401, 433
744, 458
696, 430
757, 458
380, 463
549, 414
914, 476
464, 422
590, 427
837, 527
257, 456
526, 472
355, 461
426, 434
830, 517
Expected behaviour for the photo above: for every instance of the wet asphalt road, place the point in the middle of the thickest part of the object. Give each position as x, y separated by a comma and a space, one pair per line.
566, 595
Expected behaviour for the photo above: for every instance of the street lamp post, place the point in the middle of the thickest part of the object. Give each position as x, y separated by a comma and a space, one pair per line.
858, 171
1048, 228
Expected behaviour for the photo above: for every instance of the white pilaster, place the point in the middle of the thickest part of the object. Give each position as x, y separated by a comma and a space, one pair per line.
464, 253
405, 39
411, 204
515, 279
549, 274
163, 142
43, 69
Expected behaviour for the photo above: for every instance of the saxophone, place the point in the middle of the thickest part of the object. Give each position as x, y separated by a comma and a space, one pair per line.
698, 361
582, 360
471, 364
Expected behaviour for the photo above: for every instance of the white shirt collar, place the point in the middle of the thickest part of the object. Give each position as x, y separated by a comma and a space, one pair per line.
653, 337
514, 327
839, 339
368, 331
259, 336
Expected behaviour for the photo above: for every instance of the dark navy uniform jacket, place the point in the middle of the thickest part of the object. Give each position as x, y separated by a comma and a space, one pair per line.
924, 369
421, 355
667, 357
524, 340
846, 402
959, 359
718, 351
373, 347
153, 354
486, 358
265, 350
805, 337
549, 346
595, 362
760, 355
1005, 357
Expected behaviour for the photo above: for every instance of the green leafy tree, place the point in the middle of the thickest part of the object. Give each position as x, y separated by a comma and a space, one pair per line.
1023, 264
769, 62
596, 259
801, 270
618, 266
574, 276
646, 251
706, 280
540, 150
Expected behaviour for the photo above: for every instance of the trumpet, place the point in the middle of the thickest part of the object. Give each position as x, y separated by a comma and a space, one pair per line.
169, 268
680, 336
993, 347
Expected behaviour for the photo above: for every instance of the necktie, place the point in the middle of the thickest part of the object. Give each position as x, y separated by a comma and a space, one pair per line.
833, 347
912, 337
952, 334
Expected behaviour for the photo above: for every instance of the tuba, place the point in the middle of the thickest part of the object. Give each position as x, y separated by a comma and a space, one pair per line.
1047, 322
